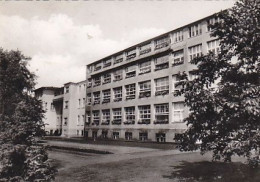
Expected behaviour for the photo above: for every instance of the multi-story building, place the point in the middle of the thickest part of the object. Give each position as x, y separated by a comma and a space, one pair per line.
130, 94
64, 109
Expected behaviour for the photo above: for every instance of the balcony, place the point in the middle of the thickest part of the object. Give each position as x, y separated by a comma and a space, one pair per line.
118, 79
161, 122
128, 122
107, 64
144, 71
105, 122
130, 56
130, 74
107, 100
145, 94
96, 102
118, 99
144, 121
161, 66
97, 83
145, 51
97, 68
117, 122
130, 97
162, 45
118, 61
95, 122
162, 92
178, 61
106, 81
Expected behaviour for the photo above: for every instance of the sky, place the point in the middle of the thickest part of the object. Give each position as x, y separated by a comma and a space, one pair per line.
62, 37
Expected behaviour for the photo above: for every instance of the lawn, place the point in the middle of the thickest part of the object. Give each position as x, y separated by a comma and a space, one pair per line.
178, 167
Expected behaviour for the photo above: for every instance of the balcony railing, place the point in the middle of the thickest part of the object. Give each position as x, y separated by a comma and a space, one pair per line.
144, 121
145, 51
106, 81
130, 56
105, 122
116, 121
97, 68
118, 60
178, 61
162, 45
129, 122
161, 122
143, 71
161, 66
95, 122
129, 97
97, 83
96, 102
107, 100
161, 92
107, 64
145, 94
130, 74
118, 99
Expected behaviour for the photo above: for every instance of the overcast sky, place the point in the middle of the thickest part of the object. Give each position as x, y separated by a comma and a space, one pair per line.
63, 37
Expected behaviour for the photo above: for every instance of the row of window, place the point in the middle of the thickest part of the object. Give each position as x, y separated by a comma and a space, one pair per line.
80, 87
128, 115
161, 62
178, 36
144, 89
143, 136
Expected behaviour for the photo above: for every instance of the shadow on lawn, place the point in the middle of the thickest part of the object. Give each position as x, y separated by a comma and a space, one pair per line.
214, 171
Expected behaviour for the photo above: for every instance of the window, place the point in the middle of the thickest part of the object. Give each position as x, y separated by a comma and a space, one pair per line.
130, 71
88, 117
195, 51
83, 120
107, 78
162, 86
178, 108
106, 96
131, 54
129, 115
95, 117
66, 105
105, 117
213, 46
117, 94
161, 114
117, 116
212, 21
178, 58
144, 49
89, 100
176, 79
144, 114
160, 137
52, 107
162, 62
130, 91
104, 134
97, 81
145, 67
78, 120
162, 42
115, 135
107, 63
96, 97
79, 103
178, 36
67, 89
65, 121
83, 102
118, 75
89, 83
143, 136
118, 59
145, 89
128, 135
195, 30
97, 66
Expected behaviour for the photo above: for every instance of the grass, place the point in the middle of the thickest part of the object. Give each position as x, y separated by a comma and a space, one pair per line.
181, 167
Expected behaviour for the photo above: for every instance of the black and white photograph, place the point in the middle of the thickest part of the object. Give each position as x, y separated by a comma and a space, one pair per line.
130, 91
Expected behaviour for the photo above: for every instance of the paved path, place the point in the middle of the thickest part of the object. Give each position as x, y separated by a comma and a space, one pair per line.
109, 148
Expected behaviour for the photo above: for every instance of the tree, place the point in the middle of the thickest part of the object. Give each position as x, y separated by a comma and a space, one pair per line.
226, 119
22, 159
